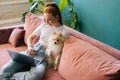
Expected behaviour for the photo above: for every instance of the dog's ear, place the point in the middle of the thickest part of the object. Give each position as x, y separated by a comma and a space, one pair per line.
60, 34
62, 37
54, 33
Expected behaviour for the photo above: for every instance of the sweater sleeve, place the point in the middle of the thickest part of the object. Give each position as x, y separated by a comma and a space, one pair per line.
65, 33
37, 31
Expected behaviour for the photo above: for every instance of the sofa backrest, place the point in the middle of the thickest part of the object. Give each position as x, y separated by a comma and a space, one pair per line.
81, 60
31, 23
112, 51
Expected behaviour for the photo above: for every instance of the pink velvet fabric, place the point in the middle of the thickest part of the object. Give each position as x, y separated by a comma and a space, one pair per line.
31, 23
112, 51
16, 37
82, 61
52, 75
7, 32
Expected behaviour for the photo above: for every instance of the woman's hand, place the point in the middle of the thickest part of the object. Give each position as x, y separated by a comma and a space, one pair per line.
31, 51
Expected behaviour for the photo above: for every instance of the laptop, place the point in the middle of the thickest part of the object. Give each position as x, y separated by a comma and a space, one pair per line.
27, 60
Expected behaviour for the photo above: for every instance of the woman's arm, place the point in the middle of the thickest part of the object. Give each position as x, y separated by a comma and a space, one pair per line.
65, 33
30, 49
30, 39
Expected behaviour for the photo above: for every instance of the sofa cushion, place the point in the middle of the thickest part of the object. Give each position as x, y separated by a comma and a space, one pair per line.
16, 37
83, 61
112, 51
52, 75
31, 23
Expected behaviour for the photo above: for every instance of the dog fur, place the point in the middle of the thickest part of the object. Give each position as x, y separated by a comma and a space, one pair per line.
54, 49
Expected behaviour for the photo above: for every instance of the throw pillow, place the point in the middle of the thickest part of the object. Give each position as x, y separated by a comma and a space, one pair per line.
82, 61
31, 23
16, 37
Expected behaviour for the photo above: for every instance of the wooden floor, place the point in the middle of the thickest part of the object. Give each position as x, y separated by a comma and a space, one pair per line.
11, 11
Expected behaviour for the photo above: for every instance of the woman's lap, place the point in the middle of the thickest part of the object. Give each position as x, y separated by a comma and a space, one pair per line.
35, 73
15, 68
12, 67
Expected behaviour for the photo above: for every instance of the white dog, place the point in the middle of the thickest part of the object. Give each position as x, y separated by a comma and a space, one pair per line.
54, 49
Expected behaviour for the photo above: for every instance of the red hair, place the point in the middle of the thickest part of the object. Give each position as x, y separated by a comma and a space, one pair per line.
52, 8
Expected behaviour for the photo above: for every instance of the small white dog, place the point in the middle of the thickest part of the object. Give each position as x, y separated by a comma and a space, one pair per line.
54, 49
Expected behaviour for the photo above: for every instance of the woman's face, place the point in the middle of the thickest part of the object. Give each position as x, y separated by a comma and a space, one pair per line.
50, 19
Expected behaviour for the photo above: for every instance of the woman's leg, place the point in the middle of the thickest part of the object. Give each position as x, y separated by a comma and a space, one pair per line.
35, 73
10, 68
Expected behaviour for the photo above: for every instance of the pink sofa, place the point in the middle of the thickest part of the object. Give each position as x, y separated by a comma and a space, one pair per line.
83, 57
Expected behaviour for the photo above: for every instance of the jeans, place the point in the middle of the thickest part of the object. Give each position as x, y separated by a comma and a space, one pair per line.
19, 71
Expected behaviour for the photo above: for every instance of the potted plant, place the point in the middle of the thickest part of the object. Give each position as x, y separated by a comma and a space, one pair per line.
34, 8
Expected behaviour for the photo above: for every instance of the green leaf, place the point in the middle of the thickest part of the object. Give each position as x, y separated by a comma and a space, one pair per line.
69, 2
33, 6
70, 10
41, 2
23, 16
63, 4
30, 1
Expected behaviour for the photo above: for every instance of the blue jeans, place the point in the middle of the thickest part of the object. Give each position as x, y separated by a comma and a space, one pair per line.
17, 70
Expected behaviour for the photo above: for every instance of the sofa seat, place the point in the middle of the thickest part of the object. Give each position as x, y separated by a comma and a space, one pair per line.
52, 75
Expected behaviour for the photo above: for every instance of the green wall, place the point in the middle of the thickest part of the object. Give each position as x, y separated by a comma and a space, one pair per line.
99, 19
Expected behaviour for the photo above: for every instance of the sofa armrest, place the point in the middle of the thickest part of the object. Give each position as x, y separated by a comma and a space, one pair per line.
6, 31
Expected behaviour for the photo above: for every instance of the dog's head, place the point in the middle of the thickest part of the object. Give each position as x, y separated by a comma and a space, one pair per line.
57, 38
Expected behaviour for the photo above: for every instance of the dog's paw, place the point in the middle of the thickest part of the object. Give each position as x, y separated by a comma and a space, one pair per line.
55, 68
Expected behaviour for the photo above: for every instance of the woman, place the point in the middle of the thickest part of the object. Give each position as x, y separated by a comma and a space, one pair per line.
53, 22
